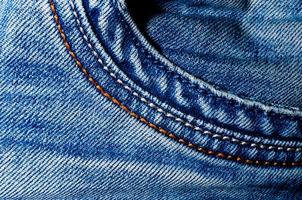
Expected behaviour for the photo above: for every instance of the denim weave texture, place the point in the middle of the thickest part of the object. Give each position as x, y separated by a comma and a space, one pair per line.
91, 109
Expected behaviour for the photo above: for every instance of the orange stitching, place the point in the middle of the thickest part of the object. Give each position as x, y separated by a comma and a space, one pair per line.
232, 139
145, 121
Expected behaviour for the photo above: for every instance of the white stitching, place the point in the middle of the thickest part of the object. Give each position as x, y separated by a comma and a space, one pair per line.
167, 114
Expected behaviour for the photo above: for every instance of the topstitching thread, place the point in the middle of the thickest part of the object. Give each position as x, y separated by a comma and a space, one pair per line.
170, 115
144, 120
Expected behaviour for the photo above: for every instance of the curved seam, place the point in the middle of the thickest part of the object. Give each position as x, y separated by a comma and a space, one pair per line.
168, 114
145, 121
292, 112
283, 110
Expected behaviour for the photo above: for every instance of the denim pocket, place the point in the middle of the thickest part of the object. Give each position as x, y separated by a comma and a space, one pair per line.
164, 97
90, 109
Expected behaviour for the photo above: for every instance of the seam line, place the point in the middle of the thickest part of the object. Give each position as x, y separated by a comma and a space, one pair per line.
168, 114
145, 121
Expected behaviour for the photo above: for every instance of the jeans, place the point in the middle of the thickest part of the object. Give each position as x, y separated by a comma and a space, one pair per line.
90, 109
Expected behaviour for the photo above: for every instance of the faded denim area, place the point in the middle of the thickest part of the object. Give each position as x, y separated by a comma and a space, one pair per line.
61, 138
250, 48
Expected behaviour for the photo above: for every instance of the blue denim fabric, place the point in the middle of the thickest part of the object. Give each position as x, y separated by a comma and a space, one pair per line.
249, 48
91, 110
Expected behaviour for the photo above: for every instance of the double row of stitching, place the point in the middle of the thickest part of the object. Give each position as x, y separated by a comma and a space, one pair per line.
168, 114
144, 120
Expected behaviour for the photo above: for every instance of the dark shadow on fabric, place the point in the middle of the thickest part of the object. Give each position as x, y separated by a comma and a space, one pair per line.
142, 12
